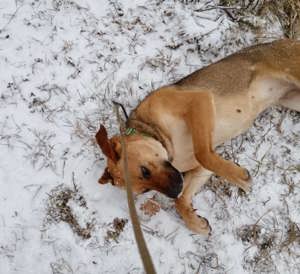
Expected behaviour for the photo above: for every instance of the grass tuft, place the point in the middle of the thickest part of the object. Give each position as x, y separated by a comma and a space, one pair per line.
287, 12
59, 210
117, 227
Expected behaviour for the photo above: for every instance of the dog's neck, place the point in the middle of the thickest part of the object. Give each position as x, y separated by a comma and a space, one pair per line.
137, 126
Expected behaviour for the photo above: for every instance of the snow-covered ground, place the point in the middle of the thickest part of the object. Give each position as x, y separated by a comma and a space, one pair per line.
61, 64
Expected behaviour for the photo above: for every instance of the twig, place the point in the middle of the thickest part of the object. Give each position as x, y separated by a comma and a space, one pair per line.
11, 18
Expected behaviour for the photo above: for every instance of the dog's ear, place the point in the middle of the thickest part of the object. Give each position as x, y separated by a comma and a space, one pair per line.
110, 149
106, 177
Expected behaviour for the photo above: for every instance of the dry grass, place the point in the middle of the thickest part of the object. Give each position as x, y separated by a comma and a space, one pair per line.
117, 227
267, 240
287, 12
59, 210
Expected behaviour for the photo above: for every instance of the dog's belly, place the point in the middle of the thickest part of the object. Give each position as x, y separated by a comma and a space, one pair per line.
235, 114
225, 128
183, 158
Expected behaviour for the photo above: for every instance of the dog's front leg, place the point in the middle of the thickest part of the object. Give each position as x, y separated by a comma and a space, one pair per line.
193, 181
200, 119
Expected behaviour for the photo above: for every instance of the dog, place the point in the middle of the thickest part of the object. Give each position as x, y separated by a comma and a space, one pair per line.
175, 129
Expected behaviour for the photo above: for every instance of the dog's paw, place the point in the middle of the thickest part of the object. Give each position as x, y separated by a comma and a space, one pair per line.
241, 178
194, 222
247, 176
198, 224
245, 182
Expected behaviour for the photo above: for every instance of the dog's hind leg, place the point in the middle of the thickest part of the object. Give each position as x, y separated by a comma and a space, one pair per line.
193, 181
291, 100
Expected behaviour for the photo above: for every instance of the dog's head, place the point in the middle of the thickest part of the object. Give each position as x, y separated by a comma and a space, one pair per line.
148, 164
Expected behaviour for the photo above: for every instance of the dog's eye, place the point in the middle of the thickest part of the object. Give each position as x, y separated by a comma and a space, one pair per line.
145, 172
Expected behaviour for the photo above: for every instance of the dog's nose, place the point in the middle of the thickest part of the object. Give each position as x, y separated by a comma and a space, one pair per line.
173, 193
175, 184
174, 181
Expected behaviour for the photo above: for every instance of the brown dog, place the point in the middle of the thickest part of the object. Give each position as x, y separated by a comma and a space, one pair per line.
176, 128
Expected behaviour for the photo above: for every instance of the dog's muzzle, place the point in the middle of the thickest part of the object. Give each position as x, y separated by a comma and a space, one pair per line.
175, 182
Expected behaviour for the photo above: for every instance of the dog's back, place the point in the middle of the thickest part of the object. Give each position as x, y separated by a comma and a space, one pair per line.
234, 73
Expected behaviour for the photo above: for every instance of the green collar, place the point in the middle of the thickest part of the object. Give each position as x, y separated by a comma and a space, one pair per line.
131, 131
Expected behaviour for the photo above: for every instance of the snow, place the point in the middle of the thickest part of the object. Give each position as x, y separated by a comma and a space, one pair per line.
62, 62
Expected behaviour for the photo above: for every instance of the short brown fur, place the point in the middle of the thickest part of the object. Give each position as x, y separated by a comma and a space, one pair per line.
189, 119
